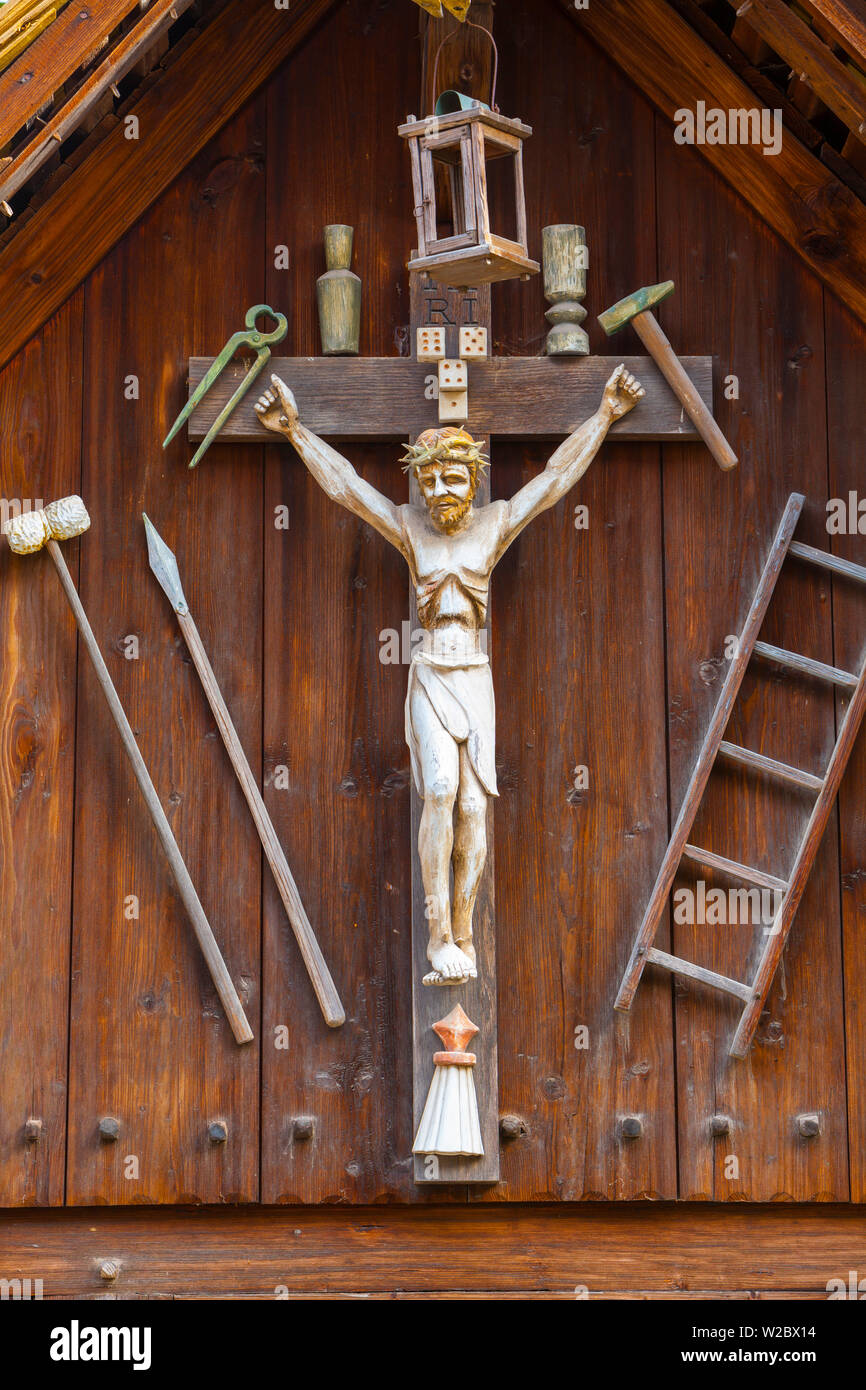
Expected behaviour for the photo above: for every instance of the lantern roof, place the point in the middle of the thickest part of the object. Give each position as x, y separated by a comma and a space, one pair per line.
476, 115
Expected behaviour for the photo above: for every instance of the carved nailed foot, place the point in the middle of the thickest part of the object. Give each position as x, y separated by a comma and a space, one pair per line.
450, 966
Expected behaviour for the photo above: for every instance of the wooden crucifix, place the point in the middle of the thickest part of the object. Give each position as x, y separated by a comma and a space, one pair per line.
452, 536
348, 399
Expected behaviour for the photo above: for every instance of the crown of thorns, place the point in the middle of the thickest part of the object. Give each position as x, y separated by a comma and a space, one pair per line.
435, 446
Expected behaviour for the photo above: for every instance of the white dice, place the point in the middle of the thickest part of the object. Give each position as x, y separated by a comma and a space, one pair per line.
473, 342
453, 375
453, 407
430, 344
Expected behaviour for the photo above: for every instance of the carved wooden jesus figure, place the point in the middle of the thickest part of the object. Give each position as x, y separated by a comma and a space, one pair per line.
451, 548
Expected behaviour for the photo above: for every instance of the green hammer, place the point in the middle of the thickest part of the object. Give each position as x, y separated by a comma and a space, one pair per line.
637, 310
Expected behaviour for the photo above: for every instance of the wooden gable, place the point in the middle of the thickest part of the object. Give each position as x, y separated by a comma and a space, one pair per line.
609, 649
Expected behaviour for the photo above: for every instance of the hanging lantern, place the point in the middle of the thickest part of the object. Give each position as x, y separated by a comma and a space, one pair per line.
466, 136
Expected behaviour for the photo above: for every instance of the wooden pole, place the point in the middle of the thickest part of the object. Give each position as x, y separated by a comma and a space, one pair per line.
317, 968
216, 965
657, 344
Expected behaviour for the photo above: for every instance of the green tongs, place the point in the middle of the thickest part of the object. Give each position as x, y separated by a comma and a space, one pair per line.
251, 337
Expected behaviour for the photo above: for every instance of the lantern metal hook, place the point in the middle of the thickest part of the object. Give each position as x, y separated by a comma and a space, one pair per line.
470, 24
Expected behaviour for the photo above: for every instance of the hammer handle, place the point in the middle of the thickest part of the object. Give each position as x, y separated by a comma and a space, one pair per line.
317, 968
219, 972
647, 327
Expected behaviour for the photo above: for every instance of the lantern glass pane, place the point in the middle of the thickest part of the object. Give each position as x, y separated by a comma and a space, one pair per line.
501, 198
447, 160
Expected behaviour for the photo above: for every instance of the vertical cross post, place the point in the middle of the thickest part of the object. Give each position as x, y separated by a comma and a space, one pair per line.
464, 62
432, 304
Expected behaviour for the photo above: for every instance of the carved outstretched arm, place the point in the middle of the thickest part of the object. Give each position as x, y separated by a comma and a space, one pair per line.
573, 457
278, 412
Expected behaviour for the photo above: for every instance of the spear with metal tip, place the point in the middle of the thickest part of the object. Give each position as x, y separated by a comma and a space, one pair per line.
164, 565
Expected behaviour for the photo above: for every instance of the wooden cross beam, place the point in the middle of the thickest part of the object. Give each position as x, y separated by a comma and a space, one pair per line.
383, 398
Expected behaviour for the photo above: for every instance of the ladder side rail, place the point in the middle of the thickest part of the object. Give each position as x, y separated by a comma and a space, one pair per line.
700, 775
775, 944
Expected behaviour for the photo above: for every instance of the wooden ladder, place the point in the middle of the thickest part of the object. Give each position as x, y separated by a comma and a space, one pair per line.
791, 889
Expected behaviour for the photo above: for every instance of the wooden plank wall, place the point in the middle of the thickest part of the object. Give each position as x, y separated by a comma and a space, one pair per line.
333, 711
578, 631
40, 404
608, 653
149, 1043
846, 437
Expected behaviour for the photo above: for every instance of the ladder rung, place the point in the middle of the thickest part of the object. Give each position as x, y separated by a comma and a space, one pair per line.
697, 972
827, 561
806, 666
760, 763
730, 866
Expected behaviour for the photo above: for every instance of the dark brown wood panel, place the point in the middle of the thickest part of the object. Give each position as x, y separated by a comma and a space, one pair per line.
846, 367
667, 1250
333, 713
579, 678
740, 289
150, 1044
40, 406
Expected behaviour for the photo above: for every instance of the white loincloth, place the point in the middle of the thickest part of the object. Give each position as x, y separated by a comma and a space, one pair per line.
462, 698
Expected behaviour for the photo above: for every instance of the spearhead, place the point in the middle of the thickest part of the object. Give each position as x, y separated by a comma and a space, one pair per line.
164, 566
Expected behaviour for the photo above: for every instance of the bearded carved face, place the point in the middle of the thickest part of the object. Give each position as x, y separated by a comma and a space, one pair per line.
447, 488
447, 463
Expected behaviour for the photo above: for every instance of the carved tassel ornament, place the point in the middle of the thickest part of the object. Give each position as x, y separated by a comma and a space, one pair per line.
449, 1124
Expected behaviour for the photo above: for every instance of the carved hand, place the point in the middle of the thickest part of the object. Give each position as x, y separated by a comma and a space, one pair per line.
277, 408
621, 394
